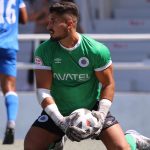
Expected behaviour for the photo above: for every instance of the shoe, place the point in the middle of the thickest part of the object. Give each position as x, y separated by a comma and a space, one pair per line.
9, 136
59, 145
143, 143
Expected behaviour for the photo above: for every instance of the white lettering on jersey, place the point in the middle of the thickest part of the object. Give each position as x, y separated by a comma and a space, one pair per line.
68, 76
10, 12
1, 11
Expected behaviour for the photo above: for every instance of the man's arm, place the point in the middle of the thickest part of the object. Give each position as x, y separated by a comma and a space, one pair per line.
44, 82
23, 16
106, 79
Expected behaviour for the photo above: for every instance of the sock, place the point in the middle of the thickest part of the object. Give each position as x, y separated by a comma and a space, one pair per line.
11, 102
11, 124
131, 141
51, 146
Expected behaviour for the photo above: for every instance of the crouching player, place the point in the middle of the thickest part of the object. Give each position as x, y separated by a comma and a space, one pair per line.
74, 71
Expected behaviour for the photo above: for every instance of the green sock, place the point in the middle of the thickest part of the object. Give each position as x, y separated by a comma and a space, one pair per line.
131, 141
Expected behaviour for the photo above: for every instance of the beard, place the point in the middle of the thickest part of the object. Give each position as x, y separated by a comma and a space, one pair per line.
61, 37
56, 38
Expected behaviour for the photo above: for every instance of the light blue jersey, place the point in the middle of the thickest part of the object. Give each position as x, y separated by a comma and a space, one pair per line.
9, 15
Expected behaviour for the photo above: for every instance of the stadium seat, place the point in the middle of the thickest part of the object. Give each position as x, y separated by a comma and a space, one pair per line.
131, 3
124, 13
121, 26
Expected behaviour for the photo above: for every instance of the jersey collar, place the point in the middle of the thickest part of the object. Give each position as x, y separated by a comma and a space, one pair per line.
72, 48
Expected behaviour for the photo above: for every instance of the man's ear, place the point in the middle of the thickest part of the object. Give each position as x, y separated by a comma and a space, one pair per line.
70, 24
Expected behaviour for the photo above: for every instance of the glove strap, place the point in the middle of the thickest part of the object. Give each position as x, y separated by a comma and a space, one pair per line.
104, 106
53, 112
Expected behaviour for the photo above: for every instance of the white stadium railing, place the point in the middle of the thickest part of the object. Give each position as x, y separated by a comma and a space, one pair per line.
106, 37
145, 65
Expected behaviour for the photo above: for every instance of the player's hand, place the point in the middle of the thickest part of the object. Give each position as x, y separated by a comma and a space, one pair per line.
100, 122
76, 134
65, 123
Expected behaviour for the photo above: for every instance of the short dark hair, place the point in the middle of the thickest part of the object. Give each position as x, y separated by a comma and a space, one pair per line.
62, 8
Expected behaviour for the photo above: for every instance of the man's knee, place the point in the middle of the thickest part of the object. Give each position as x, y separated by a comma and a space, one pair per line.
27, 145
30, 143
122, 146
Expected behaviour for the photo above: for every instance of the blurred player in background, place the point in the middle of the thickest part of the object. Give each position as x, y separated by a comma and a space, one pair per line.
11, 13
70, 67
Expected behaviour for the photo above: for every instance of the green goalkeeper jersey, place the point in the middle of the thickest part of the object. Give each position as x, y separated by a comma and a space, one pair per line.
74, 82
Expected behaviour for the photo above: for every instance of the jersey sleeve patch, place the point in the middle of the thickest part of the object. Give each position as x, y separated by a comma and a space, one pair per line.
38, 61
39, 64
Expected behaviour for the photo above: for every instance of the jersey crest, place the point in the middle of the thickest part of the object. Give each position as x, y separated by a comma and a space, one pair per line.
83, 62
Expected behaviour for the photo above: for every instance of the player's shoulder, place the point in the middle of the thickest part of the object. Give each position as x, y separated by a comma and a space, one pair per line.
94, 45
47, 45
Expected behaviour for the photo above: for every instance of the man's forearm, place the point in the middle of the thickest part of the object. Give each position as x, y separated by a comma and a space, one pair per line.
107, 92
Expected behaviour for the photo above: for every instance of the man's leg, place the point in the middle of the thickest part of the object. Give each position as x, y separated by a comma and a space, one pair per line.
114, 139
44, 134
39, 139
8, 69
142, 142
113, 136
11, 102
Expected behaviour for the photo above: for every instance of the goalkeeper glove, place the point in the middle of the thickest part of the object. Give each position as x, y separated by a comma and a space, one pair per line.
72, 132
100, 114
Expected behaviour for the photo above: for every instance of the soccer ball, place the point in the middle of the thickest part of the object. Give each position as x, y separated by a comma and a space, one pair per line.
85, 120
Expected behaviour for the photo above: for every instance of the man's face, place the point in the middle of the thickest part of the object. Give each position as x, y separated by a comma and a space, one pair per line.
57, 27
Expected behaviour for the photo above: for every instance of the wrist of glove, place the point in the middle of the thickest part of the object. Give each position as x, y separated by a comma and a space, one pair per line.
56, 116
100, 122
104, 106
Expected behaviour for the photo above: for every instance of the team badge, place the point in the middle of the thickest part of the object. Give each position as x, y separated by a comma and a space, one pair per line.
43, 118
83, 62
38, 61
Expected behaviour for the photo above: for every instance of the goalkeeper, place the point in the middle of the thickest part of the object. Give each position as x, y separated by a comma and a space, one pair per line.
74, 71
